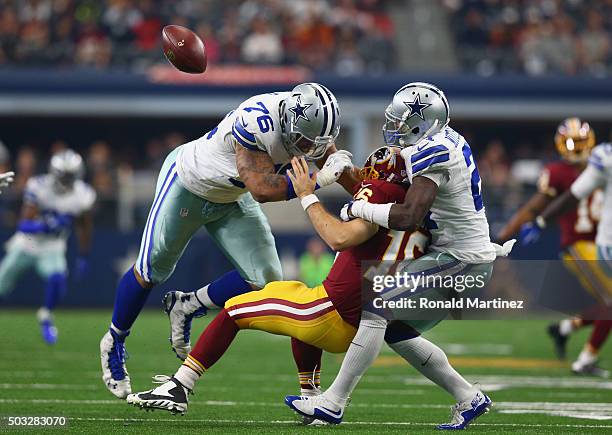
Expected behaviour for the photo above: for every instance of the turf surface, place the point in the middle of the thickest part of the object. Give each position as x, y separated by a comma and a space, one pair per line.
513, 361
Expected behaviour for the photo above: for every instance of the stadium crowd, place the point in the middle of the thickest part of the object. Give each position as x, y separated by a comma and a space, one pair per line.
349, 36
533, 36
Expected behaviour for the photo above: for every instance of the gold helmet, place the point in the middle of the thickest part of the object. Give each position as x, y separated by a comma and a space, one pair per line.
574, 140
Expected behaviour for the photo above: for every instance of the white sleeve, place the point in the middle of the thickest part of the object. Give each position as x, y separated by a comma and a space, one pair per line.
88, 198
590, 179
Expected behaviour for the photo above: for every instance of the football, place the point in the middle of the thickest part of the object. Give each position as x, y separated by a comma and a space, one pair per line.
184, 49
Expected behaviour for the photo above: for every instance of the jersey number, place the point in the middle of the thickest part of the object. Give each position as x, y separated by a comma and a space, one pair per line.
410, 241
264, 121
474, 178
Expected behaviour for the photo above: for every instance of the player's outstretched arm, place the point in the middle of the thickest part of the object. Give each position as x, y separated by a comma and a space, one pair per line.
337, 234
407, 216
256, 170
528, 212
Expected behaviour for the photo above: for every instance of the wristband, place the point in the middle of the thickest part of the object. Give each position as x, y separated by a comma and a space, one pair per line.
540, 222
291, 190
309, 200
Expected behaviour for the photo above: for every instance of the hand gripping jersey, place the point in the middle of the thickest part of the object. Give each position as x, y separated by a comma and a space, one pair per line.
207, 166
598, 174
457, 219
343, 284
577, 224
57, 208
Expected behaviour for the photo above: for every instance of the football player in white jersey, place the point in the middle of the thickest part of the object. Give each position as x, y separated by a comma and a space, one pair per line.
52, 203
597, 175
218, 181
445, 196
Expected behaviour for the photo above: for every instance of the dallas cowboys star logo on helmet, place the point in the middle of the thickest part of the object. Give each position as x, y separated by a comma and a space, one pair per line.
299, 110
416, 107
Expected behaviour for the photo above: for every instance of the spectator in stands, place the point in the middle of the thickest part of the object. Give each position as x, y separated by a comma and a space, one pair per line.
262, 45
594, 44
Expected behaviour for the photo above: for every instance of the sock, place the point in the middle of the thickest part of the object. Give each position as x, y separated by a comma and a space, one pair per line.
215, 294
432, 362
189, 372
55, 289
566, 327
579, 322
129, 300
586, 357
601, 330
362, 352
308, 361
214, 341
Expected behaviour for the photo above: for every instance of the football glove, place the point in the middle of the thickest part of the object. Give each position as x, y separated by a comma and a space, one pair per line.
6, 179
530, 233
334, 166
345, 215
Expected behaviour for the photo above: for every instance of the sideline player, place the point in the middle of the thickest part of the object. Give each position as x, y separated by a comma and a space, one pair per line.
574, 141
324, 317
52, 203
216, 182
597, 175
445, 193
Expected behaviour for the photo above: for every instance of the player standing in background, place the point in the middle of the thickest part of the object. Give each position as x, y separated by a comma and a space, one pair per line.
597, 175
6, 179
445, 195
52, 203
574, 141
326, 316
217, 181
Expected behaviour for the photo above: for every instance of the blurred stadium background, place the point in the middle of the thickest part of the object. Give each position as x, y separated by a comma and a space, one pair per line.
90, 75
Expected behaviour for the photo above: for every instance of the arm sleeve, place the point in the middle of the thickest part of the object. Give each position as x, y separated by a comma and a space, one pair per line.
430, 162
88, 199
590, 179
30, 193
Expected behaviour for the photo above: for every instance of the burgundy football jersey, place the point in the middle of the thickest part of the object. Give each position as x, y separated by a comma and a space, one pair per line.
579, 223
343, 284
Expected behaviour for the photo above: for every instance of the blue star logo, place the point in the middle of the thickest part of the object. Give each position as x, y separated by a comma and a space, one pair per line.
299, 110
416, 107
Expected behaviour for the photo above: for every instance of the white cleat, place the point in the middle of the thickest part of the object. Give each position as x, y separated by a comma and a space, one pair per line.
464, 413
114, 372
316, 407
181, 308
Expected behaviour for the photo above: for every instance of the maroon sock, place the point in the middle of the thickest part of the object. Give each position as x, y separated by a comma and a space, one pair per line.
215, 340
585, 322
600, 332
308, 361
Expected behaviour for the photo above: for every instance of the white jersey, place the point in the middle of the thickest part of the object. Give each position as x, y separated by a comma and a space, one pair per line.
207, 166
57, 205
457, 219
598, 175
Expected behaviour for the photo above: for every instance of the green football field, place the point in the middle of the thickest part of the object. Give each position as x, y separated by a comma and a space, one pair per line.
243, 393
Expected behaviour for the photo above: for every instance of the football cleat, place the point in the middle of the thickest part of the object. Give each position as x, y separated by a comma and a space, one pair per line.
560, 341
589, 370
464, 413
47, 328
181, 308
114, 372
313, 391
316, 407
171, 396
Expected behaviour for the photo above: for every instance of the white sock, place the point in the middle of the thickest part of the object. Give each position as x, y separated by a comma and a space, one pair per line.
432, 362
202, 295
566, 327
362, 352
186, 376
43, 314
119, 332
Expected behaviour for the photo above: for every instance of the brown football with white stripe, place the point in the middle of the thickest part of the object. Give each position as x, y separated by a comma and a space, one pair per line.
184, 49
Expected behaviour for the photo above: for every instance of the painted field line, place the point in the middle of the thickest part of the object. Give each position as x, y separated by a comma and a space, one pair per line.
346, 423
48, 387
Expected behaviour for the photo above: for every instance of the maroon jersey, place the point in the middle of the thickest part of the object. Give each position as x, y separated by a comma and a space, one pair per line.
343, 284
581, 222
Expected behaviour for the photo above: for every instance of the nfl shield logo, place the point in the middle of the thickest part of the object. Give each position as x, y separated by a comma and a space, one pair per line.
184, 212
